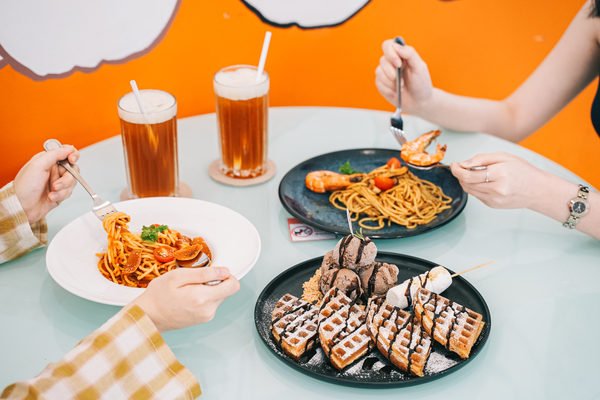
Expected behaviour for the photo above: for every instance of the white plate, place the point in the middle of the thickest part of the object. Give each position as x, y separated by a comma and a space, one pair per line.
71, 257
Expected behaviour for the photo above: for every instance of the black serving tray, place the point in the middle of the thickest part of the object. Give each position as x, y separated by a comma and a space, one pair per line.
372, 370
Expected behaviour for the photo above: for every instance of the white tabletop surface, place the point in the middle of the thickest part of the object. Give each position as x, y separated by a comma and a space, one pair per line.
542, 288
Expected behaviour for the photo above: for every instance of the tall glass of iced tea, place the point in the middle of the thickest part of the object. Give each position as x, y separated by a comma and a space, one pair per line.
242, 119
150, 143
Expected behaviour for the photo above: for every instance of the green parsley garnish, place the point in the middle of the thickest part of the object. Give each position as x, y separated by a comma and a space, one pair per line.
346, 169
150, 233
359, 235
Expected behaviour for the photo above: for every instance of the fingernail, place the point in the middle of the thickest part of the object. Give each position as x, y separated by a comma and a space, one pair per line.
58, 186
53, 196
222, 273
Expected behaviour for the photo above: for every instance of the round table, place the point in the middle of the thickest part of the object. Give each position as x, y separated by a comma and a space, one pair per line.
541, 288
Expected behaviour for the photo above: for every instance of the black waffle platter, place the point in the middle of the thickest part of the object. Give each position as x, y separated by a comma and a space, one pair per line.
373, 370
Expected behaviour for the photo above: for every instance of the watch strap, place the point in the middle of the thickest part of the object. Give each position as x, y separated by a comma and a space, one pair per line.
571, 222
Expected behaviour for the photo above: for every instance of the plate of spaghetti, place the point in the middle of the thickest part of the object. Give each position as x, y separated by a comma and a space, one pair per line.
113, 260
416, 202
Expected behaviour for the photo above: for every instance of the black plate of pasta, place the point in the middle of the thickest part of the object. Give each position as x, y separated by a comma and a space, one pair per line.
317, 210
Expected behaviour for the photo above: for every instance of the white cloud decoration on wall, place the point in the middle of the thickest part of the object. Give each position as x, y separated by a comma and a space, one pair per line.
307, 14
52, 39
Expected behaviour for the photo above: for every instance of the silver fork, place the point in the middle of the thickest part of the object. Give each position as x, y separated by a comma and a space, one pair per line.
101, 207
428, 167
397, 127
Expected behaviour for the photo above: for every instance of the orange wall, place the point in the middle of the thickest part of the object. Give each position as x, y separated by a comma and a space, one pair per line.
476, 48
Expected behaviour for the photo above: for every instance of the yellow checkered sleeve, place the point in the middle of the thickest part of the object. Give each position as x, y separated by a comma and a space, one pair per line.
126, 358
17, 235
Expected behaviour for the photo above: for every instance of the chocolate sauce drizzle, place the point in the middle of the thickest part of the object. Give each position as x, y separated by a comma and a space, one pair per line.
361, 247
371, 285
343, 248
455, 312
435, 315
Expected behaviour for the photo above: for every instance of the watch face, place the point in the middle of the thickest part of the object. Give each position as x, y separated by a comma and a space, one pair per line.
579, 207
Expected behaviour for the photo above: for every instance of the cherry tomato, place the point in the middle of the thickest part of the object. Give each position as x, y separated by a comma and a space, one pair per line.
384, 183
164, 254
394, 163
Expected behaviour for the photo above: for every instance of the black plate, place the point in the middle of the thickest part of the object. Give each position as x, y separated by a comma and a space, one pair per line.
382, 374
315, 209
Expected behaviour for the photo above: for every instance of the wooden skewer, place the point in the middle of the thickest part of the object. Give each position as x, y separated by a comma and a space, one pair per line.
471, 269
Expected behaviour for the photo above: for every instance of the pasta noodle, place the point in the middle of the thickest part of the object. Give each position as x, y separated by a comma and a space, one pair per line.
410, 202
122, 244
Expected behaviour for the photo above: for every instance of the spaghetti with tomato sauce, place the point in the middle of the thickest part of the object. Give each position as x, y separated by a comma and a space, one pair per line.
135, 260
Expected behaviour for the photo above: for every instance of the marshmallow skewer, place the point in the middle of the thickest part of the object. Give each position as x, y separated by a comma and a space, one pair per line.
471, 269
436, 280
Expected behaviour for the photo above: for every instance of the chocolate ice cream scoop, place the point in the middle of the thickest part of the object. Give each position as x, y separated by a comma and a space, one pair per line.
328, 263
342, 278
378, 278
354, 253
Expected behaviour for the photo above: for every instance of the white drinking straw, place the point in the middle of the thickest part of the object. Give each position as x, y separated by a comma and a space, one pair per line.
263, 56
151, 136
137, 95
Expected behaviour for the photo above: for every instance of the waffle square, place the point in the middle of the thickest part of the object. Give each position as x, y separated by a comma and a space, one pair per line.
450, 324
342, 329
398, 336
294, 325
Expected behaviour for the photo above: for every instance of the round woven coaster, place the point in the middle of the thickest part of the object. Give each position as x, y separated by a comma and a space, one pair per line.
184, 191
218, 176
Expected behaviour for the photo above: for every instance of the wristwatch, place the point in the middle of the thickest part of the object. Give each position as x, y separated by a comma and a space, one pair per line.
578, 207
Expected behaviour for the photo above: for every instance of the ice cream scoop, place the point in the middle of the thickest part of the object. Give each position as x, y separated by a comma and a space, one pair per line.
435, 280
378, 278
354, 253
342, 278
328, 263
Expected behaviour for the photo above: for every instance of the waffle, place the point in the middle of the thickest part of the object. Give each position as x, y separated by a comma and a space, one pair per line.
351, 348
451, 324
294, 325
342, 332
398, 336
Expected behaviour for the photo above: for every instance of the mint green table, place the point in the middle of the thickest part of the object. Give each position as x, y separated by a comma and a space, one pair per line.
542, 289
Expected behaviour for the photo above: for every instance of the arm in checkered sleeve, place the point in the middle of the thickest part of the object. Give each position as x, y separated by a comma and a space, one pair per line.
127, 357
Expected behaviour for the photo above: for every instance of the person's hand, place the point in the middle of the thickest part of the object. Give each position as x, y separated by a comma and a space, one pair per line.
179, 298
513, 182
42, 185
417, 89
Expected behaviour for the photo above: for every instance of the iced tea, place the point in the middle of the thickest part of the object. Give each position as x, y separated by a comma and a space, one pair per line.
150, 143
242, 105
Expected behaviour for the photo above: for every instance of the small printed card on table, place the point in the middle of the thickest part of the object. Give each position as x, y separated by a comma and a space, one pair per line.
301, 232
